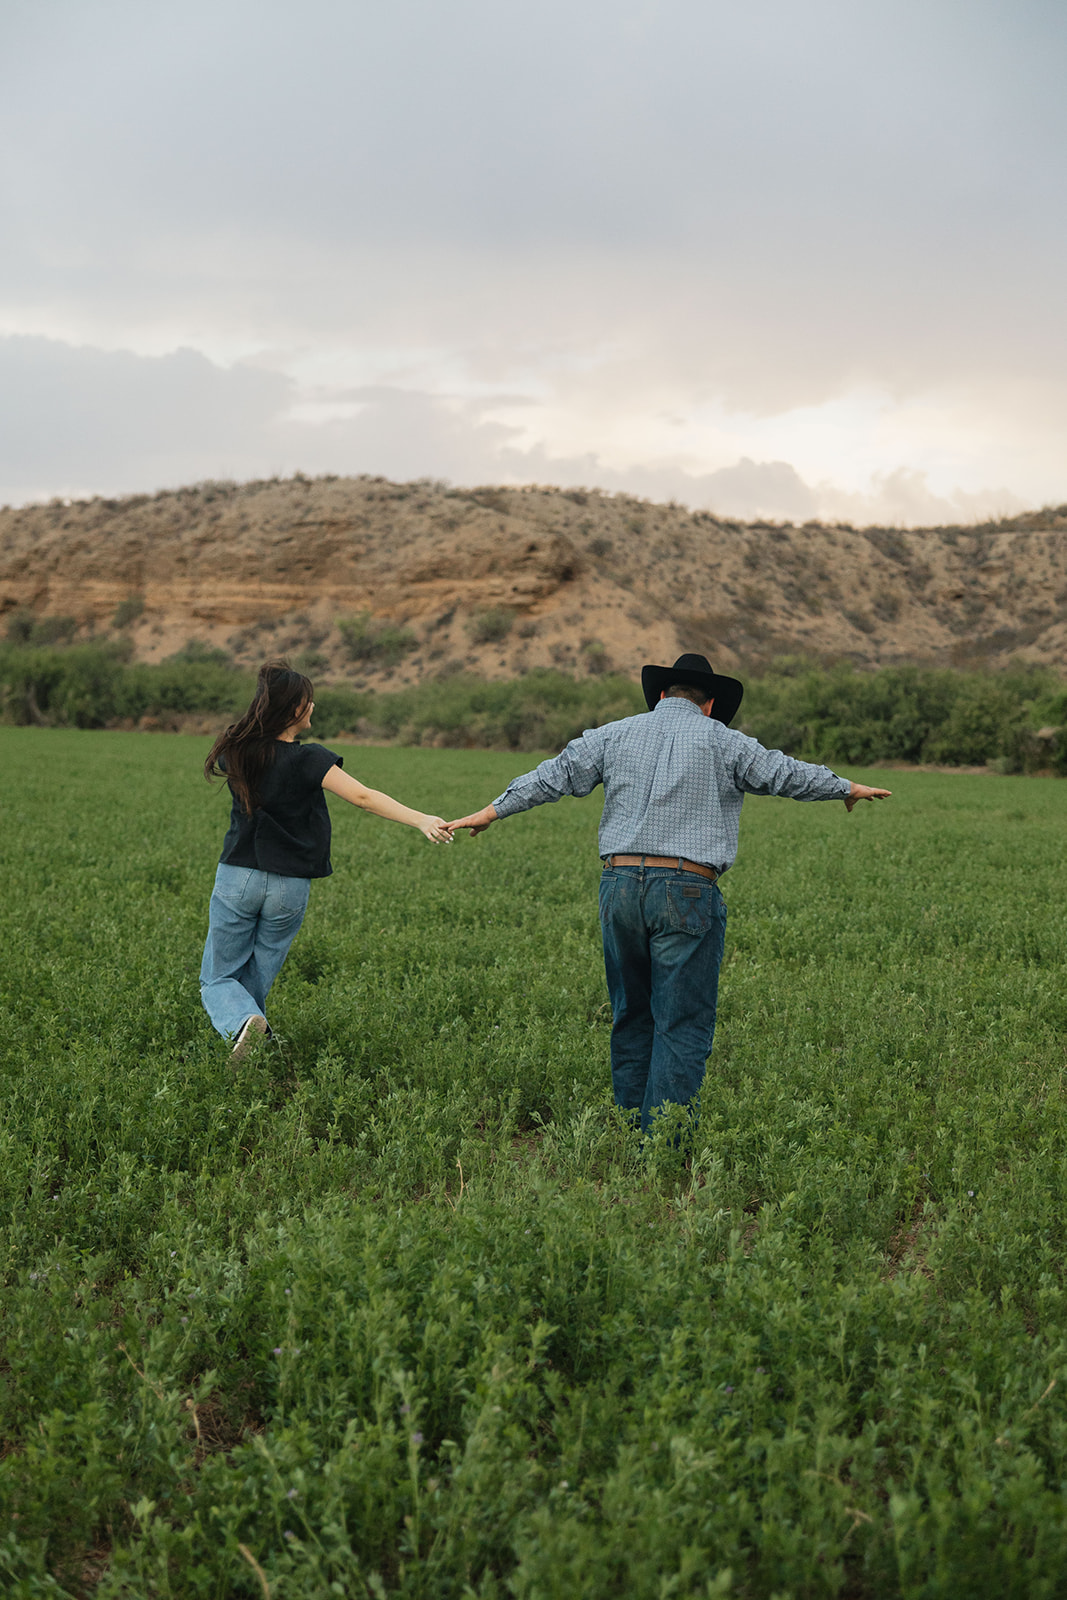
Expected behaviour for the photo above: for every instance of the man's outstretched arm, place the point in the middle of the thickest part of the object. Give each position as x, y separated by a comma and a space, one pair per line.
761, 771
576, 770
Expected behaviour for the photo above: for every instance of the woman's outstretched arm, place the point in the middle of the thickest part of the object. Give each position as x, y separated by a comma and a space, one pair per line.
382, 805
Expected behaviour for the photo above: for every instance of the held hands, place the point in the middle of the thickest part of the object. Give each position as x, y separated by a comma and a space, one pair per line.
477, 822
439, 831
861, 791
436, 829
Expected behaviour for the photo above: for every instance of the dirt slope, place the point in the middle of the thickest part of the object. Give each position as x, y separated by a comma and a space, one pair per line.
495, 581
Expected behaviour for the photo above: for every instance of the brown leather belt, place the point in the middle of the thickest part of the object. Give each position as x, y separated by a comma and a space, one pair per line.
676, 862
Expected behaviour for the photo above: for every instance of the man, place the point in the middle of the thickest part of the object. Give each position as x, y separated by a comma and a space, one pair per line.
674, 779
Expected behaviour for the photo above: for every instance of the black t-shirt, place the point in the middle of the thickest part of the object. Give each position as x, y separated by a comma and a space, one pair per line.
289, 831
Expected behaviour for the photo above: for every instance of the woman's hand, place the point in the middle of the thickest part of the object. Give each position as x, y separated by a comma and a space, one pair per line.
477, 822
436, 829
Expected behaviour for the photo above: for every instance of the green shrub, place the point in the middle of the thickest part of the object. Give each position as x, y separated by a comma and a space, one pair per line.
128, 611
595, 656
180, 685
838, 716
26, 628
986, 722
540, 711
198, 650
1051, 712
311, 662
382, 643
93, 685
20, 626
338, 709
897, 714
80, 687
489, 627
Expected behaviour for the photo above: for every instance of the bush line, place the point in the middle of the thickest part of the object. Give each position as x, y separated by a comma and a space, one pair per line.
1015, 721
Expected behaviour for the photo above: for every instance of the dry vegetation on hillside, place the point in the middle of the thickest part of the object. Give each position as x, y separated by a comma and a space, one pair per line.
390, 583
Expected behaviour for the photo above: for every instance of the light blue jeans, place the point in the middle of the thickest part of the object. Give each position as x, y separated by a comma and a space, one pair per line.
253, 919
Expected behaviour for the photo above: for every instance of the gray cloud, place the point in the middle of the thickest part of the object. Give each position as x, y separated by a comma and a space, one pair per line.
81, 421
601, 122
620, 208
753, 143
75, 420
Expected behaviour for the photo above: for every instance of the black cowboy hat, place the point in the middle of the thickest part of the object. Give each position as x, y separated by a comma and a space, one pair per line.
698, 672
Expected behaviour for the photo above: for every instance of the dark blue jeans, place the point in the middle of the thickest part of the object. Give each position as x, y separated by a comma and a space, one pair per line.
664, 932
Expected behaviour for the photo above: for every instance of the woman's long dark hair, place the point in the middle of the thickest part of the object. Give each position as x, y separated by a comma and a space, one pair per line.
248, 744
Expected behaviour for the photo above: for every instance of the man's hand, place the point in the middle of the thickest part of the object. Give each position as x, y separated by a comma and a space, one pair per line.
477, 822
861, 791
436, 829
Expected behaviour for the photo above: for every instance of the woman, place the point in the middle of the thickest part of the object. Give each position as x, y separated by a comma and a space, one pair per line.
278, 840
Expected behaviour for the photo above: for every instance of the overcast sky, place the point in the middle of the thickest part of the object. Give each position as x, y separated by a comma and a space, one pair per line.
788, 257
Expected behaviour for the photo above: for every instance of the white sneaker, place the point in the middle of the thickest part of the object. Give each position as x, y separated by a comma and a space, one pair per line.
243, 1042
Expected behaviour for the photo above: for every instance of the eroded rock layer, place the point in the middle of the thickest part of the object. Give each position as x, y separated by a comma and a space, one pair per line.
425, 580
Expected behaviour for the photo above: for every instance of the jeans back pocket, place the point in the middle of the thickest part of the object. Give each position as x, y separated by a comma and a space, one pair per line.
693, 908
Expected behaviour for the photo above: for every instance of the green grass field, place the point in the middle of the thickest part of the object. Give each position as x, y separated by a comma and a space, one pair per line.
399, 1307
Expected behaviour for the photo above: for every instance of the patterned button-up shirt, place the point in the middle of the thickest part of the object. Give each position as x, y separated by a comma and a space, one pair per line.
674, 781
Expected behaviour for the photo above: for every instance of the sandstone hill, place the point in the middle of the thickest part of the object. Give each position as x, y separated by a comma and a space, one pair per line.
385, 584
